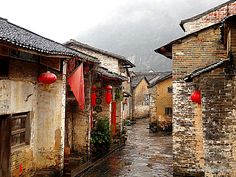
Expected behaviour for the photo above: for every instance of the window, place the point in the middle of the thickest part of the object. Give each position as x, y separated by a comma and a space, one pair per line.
4, 68
170, 89
19, 129
168, 111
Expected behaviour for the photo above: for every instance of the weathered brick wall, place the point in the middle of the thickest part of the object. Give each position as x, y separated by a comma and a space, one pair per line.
22, 93
218, 115
197, 51
152, 108
106, 61
139, 108
210, 18
192, 53
186, 133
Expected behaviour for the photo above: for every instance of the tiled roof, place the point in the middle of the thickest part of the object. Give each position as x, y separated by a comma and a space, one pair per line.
136, 80
109, 74
199, 71
16, 35
163, 76
204, 13
86, 46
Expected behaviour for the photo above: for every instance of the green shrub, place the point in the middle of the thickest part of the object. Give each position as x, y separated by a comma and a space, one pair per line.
101, 136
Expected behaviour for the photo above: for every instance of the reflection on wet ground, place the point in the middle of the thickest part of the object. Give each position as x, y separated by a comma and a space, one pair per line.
146, 154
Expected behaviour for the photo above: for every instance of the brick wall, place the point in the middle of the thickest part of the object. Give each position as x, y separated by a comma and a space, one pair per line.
188, 138
218, 115
197, 51
185, 158
210, 18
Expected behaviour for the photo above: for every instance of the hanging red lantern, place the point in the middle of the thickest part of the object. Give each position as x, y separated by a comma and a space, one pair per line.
93, 96
93, 99
196, 97
108, 94
47, 78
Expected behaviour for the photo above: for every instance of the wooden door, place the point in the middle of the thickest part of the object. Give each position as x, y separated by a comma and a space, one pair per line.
4, 146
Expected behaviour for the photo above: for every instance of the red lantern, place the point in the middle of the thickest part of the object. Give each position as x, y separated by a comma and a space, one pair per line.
93, 96
47, 78
93, 99
108, 94
196, 97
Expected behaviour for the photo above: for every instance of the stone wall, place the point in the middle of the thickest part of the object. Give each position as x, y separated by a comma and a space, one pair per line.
210, 18
22, 93
152, 108
218, 117
187, 156
193, 52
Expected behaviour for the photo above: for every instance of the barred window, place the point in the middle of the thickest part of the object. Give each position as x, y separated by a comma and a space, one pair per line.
168, 111
170, 89
20, 129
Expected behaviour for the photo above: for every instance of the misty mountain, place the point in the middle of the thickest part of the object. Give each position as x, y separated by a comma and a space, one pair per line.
138, 27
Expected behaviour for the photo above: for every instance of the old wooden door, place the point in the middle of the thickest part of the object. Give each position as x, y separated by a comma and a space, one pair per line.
4, 146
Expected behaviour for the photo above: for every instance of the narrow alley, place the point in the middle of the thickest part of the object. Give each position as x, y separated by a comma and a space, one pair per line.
145, 154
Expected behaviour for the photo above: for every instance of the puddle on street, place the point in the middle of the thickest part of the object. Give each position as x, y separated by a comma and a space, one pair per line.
145, 154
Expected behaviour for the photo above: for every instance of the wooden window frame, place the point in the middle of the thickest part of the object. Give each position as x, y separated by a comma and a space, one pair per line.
25, 129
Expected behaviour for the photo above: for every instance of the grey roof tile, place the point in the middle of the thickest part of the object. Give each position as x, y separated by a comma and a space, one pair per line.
16, 35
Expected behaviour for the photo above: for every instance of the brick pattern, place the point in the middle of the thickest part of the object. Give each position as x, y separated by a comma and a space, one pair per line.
218, 117
196, 52
184, 130
210, 18
203, 136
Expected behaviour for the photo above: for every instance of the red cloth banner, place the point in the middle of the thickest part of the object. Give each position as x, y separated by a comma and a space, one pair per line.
76, 82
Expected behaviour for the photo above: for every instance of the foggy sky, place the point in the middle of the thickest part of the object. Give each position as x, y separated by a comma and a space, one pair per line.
138, 27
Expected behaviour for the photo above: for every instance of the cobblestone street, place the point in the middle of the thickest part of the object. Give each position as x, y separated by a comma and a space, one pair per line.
145, 155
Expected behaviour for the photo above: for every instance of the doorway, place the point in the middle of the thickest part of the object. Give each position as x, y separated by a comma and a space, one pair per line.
5, 147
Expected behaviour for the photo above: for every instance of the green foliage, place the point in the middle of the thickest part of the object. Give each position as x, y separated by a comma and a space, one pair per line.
101, 136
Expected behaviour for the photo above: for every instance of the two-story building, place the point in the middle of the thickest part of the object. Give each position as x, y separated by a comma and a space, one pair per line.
203, 94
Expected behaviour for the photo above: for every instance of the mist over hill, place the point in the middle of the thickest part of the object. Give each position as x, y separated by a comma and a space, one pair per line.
138, 27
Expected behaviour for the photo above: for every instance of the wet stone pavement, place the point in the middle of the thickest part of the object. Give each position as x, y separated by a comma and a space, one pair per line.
145, 154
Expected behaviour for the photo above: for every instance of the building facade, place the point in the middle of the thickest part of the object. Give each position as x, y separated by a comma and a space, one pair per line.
201, 132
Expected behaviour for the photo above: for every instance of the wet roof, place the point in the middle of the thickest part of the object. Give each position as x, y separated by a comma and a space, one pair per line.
199, 71
109, 74
16, 35
119, 57
204, 13
148, 76
163, 76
